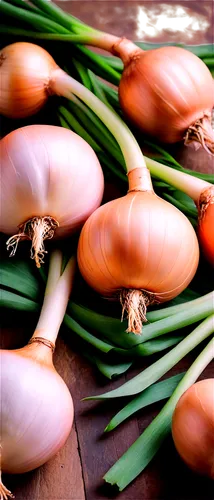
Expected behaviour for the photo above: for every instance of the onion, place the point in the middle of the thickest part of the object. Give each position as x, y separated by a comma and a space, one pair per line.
51, 182
139, 249
167, 92
193, 427
24, 79
36, 405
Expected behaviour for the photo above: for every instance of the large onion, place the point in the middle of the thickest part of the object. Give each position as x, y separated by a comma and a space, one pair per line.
139, 249
51, 182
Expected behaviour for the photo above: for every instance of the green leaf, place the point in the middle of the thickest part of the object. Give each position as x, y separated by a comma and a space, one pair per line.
13, 301
152, 394
109, 370
141, 452
18, 275
155, 371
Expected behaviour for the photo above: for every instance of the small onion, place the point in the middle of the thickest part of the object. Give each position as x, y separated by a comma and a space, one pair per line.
51, 182
139, 249
25, 75
193, 427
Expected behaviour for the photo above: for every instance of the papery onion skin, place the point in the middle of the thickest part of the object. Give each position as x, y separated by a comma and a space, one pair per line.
138, 242
165, 90
24, 81
193, 427
32, 433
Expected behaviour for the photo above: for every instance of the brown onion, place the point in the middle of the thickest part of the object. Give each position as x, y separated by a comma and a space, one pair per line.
193, 427
139, 249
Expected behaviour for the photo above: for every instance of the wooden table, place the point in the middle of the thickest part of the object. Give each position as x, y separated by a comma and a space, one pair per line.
77, 470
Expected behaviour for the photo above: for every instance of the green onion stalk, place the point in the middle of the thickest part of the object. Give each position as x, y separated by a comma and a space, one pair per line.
155, 371
141, 452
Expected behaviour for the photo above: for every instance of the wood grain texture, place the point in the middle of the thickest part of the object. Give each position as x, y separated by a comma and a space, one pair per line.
76, 471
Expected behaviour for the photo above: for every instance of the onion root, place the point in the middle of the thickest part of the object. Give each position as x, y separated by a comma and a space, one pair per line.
4, 492
201, 133
135, 303
37, 230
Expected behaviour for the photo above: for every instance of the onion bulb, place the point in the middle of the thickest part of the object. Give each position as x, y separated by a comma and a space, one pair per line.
167, 92
51, 182
36, 405
193, 427
139, 249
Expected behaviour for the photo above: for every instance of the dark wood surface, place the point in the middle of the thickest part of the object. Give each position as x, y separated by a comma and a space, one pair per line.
77, 470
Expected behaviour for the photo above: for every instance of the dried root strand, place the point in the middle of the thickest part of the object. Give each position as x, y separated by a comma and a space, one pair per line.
37, 230
201, 133
134, 304
4, 492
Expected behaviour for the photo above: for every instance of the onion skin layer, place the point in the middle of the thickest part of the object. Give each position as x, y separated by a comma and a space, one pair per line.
164, 91
193, 427
138, 242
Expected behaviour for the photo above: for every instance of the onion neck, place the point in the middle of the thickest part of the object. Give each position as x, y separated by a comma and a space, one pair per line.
189, 184
139, 179
64, 85
121, 47
56, 297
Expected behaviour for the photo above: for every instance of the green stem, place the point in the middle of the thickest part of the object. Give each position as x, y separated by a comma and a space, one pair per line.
190, 185
137, 457
59, 37
25, 5
38, 21
56, 297
64, 85
61, 17
67, 120
155, 371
